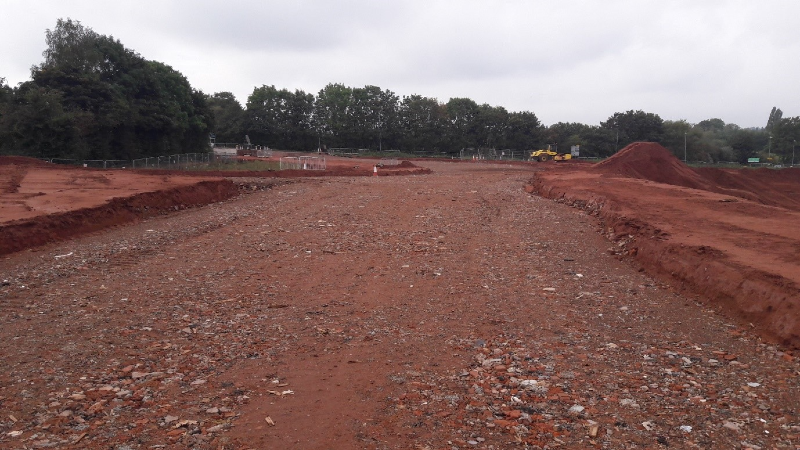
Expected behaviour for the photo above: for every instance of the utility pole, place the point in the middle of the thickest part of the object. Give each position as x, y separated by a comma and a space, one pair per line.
769, 147
794, 142
684, 148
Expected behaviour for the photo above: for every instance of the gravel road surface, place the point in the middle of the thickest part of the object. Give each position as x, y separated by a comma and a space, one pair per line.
444, 311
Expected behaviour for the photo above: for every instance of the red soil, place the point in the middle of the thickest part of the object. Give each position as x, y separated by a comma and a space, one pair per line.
42, 202
729, 235
652, 162
26, 233
438, 312
22, 161
649, 161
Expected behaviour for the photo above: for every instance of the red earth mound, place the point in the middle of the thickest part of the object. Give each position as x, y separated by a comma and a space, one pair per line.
651, 161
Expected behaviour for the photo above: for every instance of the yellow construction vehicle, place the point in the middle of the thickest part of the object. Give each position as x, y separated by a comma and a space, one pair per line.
550, 153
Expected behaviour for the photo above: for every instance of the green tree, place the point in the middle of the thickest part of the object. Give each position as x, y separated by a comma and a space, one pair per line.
37, 125
634, 126
462, 113
301, 134
372, 116
745, 144
491, 126
714, 125
6, 99
268, 115
523, 131
564, 135
707, 141
280, 118
594, 141
782, 135
774, 120
6, 94
676, 132
229, 117
169, 116
330, 119
112, 102
597, 141
422, 122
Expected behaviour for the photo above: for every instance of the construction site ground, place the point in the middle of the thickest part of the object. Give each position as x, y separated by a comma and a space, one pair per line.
460, 308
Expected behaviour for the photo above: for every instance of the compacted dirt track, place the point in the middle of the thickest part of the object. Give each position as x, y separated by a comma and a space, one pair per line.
449, 310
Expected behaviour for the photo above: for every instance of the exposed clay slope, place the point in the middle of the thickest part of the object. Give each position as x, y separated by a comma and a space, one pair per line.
768, 186
738, 254
26, 233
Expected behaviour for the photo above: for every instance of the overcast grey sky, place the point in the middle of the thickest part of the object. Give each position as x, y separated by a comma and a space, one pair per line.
566, 61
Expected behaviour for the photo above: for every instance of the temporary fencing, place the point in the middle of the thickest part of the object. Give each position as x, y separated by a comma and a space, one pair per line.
303, 163
173, 161
106, 163
492, 154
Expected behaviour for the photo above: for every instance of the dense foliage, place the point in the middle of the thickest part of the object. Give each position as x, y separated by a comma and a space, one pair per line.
93, 98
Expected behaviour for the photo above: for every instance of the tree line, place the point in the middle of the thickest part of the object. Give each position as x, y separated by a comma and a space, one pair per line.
91, 98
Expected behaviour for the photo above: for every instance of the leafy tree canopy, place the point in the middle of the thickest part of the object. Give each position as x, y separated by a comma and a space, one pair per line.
636, 126
229, 117
93, 98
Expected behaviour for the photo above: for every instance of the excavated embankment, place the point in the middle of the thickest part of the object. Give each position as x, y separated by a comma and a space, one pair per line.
764, 299
27, 233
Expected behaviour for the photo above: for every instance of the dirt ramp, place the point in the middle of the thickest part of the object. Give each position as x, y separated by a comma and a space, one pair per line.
651, 161
41, 230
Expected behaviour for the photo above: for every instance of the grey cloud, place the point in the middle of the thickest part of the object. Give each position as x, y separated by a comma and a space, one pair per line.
566, 61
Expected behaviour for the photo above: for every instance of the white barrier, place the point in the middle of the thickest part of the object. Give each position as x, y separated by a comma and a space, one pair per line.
303, 163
